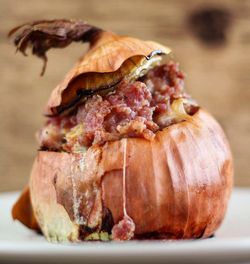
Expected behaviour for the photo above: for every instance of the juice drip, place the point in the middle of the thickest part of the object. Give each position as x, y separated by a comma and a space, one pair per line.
124, 229
124, 142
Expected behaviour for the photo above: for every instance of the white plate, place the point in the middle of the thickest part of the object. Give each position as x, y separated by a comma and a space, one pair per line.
231, 243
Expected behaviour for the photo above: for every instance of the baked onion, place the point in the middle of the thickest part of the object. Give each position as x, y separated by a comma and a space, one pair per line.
126, 153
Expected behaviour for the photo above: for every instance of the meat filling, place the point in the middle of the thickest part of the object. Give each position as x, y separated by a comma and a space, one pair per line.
134, 109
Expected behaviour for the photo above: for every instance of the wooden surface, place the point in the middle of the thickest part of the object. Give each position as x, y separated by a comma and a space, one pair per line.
218, 76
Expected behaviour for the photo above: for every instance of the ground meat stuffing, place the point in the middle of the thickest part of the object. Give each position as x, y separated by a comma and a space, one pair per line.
132, 110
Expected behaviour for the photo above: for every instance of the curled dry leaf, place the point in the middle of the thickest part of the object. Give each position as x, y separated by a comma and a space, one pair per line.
43, 35
109, 59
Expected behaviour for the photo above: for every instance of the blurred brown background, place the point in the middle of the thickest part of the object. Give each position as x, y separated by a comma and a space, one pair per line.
210, 39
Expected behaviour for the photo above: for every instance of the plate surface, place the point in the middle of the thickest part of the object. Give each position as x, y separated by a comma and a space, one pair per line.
231, 243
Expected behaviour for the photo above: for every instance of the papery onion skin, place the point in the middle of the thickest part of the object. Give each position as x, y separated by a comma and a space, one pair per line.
23, 211
177, 185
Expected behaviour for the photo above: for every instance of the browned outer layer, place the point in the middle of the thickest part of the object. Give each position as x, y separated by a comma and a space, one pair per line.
177, 184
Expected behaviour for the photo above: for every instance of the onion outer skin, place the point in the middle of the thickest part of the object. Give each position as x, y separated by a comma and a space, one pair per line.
177, 185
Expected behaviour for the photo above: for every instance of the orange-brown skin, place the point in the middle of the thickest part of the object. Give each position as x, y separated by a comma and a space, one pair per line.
177, 185
22, 210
